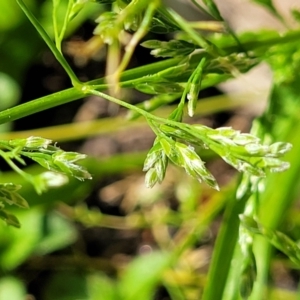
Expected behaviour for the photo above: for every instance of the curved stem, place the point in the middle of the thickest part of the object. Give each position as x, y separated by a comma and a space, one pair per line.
75, 81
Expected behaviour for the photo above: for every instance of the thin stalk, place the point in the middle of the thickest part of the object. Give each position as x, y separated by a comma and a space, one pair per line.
235, 37
136, 73
60, 58
214, 26
112, 63
290, 36
277, 201
195, 36
187, 88
65, 24
14, 167
140, 111
140, 33
73, 94
133, 8
128, 77
40, 104
152, 120
201, 8
79, 130
227, 27
208, 212
55, 25
224, 249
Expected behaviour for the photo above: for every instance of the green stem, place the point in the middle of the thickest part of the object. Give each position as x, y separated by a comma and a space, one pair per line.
265, 43
14, 167
75, 81
195, 36
277, 203
79, 130
73, 94
55, 25
224, 249
201, 8
40, 104
125, 104
65, 24
127, 79
230, 31
140, 33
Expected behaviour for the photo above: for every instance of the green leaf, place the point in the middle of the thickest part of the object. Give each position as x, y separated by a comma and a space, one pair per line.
179, 73
160, 26
10, 16
12, 288
142, 275
248, 276
276, 238
17, 245
9, 218
66, 285
296, 14
59, 233
101, 286
213, 9
173, 48
159, 88
194, 86
9, 91
9, 195
10, 94
76, 9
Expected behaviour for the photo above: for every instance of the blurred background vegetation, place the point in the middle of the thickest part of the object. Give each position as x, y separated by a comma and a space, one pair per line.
112, 238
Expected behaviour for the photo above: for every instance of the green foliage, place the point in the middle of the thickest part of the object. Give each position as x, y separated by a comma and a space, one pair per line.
9, 195
12, 288
190, 62
50, 157
296, 14
147, 271
173, 48
278, 239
